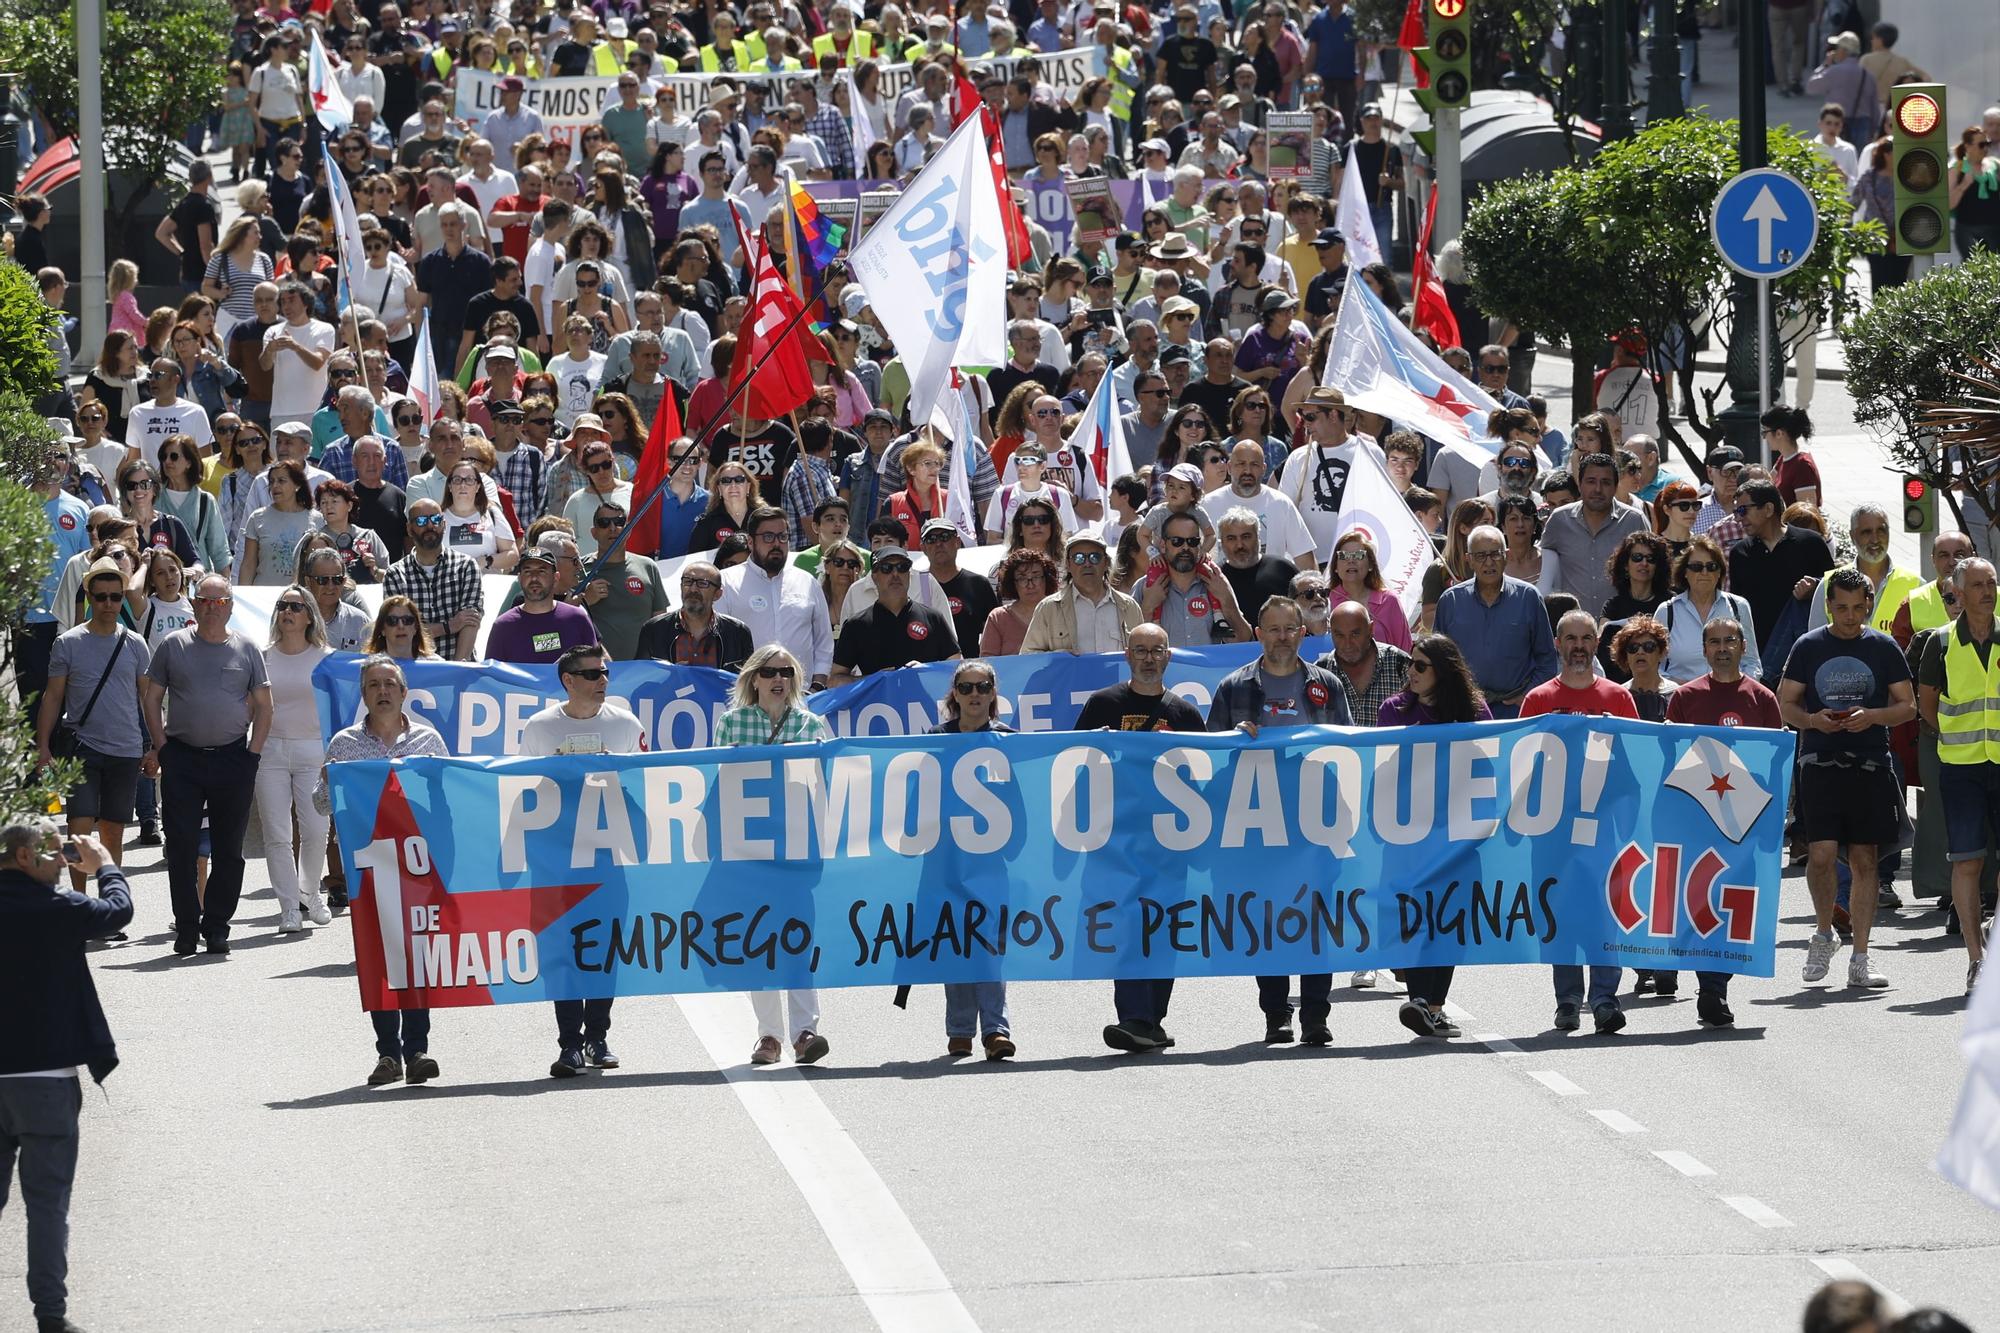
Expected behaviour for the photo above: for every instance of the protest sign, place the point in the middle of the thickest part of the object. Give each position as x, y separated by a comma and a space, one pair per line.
843, 212
1289, 140
1097, 215
1063, 857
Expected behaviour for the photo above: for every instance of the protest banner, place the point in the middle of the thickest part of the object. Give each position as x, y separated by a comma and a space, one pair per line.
1074, 856
845, 213
1289, 140
1097, 214
873, 204
1047, 202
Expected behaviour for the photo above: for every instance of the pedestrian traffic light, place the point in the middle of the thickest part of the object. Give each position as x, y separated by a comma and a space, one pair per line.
1921, 144
1447, 60
1919, 505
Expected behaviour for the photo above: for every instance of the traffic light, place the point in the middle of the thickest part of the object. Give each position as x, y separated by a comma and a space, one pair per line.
1919, 505
1447, 60
1921, 145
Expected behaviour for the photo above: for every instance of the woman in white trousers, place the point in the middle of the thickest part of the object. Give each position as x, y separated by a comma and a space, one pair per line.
290, 766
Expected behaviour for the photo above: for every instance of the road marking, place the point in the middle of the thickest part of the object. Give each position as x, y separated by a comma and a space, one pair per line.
1842, 1269
1685, 1163
1497, 1044
1618, 1122
1763, 1214
894, 1272
1555, 1083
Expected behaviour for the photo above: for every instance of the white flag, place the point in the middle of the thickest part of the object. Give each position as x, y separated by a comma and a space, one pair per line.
329, 103
1722, 785
1380, 366
424, 375
1354, 219
858, 124
1970, 1158
935, 269
1100, 436
346, 229
1403, 550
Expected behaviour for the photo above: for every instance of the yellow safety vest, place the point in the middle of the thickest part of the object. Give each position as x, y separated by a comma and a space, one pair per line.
1896, 589
1122, 80
921, 50
710, 62
604, 62
441, 62
1927, 608
1969, 705
860, 46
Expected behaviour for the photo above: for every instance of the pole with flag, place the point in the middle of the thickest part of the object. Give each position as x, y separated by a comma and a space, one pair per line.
347, 236
1100, 436
1433, 312
958, 505
1354, 217
1372, 506
652, 471
1970, 1158
858, 124
423, 373
329, 103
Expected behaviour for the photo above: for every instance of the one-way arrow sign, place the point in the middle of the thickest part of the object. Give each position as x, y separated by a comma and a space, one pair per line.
1764, 223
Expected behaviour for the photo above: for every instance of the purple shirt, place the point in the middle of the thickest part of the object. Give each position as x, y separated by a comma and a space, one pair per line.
1288, 352
1407, 710
519, 636
665, 195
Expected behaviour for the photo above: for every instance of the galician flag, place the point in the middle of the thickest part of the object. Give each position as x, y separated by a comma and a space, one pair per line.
424, 374
1381, 366
1970, 1158
1356, 222
935, 269
346, 229
1712, 774
329, 103
1372, 505
1100, 437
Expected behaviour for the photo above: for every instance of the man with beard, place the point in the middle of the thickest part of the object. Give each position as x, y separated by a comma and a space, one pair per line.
445, 585
697, 634
1280, 528
627, 590
781, 603
1517, 474
970, 596
895, 631
540, 629
1252, 575
1193, 598
1315, 476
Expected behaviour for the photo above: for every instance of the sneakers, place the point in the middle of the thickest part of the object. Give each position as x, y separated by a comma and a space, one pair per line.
569, 1064
388, 1069
1713, 1011
289, 921
1609, 1018
957, 1046
1317, 1034
1642, 981
1442, 1026
1861, 973
421, 1069
810, 1048
1363, 980
1132, 1036
1887, 899
1414, 1016
999, 1046
1568, 1018
149, 836
317, 912
1819, 956
597, 1054
1278, 1031
768, 1051
1158, 1034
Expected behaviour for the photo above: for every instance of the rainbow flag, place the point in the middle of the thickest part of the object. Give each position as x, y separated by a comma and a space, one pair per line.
822, 236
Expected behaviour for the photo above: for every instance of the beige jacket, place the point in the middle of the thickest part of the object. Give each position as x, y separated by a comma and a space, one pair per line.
1053, 629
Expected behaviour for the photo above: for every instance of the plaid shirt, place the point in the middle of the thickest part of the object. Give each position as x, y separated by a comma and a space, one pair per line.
521, 471
339, 461
807, 481
752, 726
829, 126
440, 592
1392, 672
1726, 534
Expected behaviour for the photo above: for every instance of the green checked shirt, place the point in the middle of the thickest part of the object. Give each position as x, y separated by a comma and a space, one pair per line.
752, 726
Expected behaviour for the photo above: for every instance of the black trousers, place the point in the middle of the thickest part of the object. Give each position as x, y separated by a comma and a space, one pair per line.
1274, 997
401, 1032
1706, 983
1429, 984
218, 782
32, 644
579, 1021
1142, 1001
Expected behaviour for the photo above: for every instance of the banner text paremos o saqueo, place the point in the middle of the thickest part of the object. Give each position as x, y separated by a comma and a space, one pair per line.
1064, 856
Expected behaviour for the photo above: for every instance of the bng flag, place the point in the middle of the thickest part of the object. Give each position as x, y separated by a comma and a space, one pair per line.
1382, 367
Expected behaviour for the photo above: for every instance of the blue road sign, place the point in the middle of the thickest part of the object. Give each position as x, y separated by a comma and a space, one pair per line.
1764, 223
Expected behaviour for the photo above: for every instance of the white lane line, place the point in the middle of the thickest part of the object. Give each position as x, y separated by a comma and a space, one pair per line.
1498, 1044
1555, 1083
893, 1270
1619, 1123
1456, 1014
1842, 1269
1685, 1163
1763, 1214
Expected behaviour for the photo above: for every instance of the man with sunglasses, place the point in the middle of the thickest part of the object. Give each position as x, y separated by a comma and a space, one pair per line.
1774, 564
1088, 615
895, 631
1500, 624
781, 603
970, 596
696, 634
445, 585
626, 590
150, 423
1191, 599
1314, 481
1518, 467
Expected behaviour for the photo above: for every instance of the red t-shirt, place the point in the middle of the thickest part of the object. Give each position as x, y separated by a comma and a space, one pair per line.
1600, 699
514, 240
1709, 703
1789, 474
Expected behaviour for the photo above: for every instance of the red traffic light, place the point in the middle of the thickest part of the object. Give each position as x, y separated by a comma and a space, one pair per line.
1917, 116
1447, 9
1915, 488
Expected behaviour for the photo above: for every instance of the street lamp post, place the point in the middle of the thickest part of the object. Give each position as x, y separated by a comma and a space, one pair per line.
1663, 83
90, 183
1739, 419
1617, 73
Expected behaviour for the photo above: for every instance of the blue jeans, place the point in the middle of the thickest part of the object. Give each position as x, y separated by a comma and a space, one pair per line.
1603, 984
983, 1003
401, 1033
580, 1021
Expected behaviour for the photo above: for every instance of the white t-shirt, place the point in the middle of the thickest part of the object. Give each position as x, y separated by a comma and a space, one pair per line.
1065, 469
150, 425
1000, 510
544, 258
475, 536
107, 458
576, 383
163, 618
491, 190
296, 388
1283, 531
613, 731
294, 707
1315, 481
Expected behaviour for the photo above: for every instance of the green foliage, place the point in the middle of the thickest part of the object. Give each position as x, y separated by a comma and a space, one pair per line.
163, 67
27, 360
1902, 350
25, 555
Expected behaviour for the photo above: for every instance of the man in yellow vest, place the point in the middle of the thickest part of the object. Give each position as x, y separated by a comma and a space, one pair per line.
1958, 693
725, 53
775, 39
1936, 603
847, 46
1115, 63
1868, 525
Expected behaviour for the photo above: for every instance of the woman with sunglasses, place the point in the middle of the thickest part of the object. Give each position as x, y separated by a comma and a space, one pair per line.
732, 494
474, 525
1250, 418
602, 486
1639, 651
102, 454
272, 535
205, 377
138, 485
1188, 429
621, 419
1357, 577
244, 458
181, 497
289, 768
1441, 691
1640, 571
1521, 524
588, 240
975, 1008
1674, 511
840, 566
399, 632
1698, 574
1023, 579
881, 163
766, 709
1038, 527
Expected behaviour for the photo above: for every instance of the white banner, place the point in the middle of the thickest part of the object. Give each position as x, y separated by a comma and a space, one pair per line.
1403, 550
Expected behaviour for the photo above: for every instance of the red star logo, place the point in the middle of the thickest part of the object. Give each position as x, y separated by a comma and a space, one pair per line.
1720, 783
319, 100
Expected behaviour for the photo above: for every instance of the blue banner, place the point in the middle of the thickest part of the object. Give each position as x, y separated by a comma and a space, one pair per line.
1072, 856
480, 707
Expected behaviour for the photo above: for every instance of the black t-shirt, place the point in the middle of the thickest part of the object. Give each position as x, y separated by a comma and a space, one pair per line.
288, 200
879, 639
972, 600
1216, 400
571, 59
1010, 377
1122, 708
1765, 576
1843, 674
1259, 583
1369, 157
766, 454
190, 215
1186, 62
1323, 292
382, 511
485, 305
399, 77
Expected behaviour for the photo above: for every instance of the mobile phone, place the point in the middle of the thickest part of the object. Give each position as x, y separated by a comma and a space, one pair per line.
70, 852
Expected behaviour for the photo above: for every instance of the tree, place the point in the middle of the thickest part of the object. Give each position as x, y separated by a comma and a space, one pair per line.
163, 65
1920, 360
1627, 237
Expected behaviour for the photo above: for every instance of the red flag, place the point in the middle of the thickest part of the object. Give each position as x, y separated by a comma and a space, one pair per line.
1413, 36
653, 467
775, 366
1019, 246
1432, 311
965, 99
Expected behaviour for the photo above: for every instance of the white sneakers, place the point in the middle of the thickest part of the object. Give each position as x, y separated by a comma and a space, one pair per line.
1819, 955
1861, 972
289, 921
317, 910
1363, 980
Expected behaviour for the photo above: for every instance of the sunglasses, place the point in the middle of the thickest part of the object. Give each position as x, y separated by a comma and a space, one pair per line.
298, 608
1419, 667
1037, 520
1312, 595
213, 601
1640, 558
1494, 366
733, 481
968, 688
105, 598
1518, 464
410, 421
601, 467
1702, 567
775, 673
1351, 557
1184, 543
588, 673
842, 562
1685, 505
1643, 646
1087, 558
614, 521
427, 521
404, 621
540, 421
329, 580
1048, 411
137, 487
